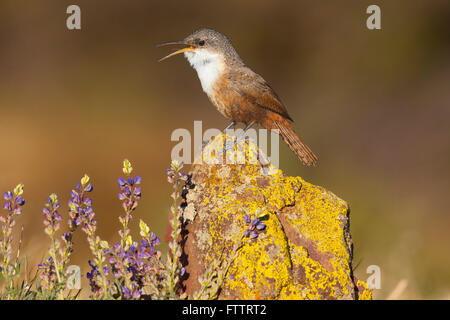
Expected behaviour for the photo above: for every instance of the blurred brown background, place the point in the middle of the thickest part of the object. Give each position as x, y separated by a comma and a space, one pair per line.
374, 105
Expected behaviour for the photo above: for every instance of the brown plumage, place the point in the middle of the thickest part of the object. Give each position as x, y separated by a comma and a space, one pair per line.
236, 91
244, 96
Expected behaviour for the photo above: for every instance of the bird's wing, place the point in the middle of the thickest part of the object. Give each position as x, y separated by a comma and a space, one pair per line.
252, 87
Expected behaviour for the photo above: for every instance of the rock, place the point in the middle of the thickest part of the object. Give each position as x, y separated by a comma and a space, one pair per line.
305, 251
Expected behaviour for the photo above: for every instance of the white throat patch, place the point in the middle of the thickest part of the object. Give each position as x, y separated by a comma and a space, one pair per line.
208, 66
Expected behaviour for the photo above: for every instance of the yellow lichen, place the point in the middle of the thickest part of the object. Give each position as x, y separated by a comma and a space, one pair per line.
365, 293
273, 266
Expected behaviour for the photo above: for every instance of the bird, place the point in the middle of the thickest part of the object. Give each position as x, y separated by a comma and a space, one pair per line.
238, 93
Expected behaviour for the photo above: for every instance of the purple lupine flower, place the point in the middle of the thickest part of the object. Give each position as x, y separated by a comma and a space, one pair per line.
7, 206
127, 261
122, 182
51, 216
66, 236
126, 292
132, 293
13, 204
175, 174
170, 175
137, 191
93, 277
14, 200
48, 273
87, 201
134, 261
129, 193
8, 195
106, 270
80, 207
254, 227
20, 201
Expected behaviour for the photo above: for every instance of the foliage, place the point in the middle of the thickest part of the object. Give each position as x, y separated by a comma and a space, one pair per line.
128, 269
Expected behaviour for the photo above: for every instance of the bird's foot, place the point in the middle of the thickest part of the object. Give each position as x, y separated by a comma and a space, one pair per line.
205, 143
228, 145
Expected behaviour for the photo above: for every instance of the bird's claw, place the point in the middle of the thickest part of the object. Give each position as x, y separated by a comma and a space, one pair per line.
230, 145
204, 143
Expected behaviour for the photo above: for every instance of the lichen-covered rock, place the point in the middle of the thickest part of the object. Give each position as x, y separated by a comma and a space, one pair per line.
305, 251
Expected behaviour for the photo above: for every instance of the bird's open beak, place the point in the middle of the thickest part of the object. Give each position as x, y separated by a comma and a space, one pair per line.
189, 48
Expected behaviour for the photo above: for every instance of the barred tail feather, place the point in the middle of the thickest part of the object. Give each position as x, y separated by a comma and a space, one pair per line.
303, 152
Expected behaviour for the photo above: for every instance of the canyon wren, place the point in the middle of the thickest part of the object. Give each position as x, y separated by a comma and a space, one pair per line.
237, 92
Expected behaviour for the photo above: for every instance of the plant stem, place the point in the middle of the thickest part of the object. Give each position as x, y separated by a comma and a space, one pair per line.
175, 233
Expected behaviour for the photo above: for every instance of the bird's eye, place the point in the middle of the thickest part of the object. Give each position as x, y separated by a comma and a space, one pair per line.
201, 43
